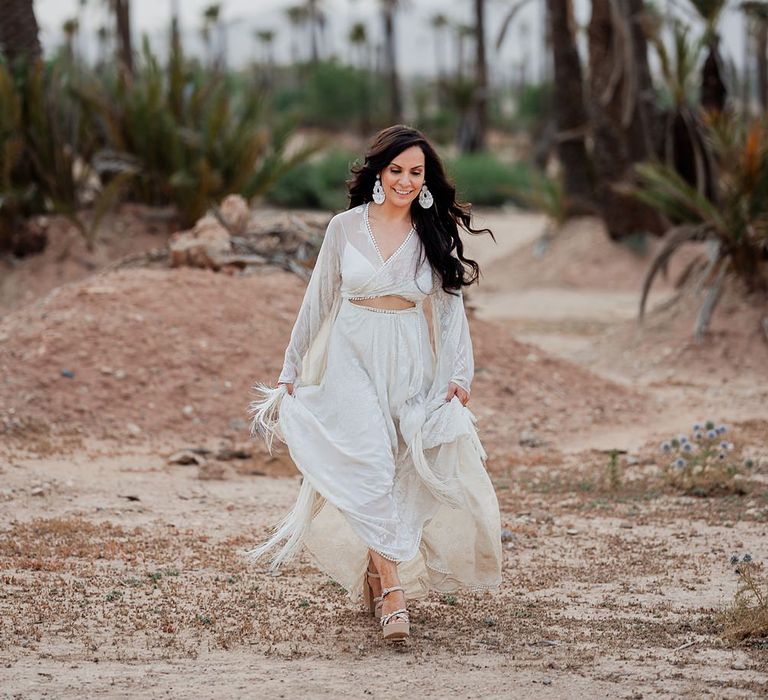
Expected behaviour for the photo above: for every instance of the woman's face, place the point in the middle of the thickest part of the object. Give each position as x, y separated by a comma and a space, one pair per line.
403, 177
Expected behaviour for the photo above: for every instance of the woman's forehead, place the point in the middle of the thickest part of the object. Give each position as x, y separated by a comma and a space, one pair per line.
409, 158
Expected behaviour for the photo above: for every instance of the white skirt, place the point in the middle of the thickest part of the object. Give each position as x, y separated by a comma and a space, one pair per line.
345, 435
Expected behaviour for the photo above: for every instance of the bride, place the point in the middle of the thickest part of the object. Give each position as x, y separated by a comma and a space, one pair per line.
395, 500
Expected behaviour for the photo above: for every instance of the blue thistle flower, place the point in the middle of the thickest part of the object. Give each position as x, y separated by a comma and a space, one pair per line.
748, 463
698, 435
711, 434
666, 446
721, 456
679, 463
696, 427
721, 429
734, 559
747, 558
682, 438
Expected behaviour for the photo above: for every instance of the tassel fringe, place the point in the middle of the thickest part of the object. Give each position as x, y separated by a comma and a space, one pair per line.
264, 412
293, 526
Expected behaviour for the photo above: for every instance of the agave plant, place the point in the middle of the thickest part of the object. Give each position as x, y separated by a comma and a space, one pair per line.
192, 139
47, 149
735, 220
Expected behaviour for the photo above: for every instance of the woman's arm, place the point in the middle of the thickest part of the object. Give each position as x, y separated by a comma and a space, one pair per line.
323, 287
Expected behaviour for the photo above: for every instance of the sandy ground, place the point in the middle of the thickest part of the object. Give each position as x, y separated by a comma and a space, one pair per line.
122, 573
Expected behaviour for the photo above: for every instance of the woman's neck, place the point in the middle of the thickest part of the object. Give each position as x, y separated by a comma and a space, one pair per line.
390, 214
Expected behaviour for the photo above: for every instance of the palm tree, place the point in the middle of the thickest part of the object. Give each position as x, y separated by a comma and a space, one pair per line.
267, 39
211, 16
19, 32
440, 23
297, 18
317, 20
70, 27
358, 38
570, 111
388, 12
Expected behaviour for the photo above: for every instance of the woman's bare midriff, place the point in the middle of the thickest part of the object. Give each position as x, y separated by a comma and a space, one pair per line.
388, 301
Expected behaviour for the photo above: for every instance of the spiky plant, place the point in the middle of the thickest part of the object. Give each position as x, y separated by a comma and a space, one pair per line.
735, 220
193, 139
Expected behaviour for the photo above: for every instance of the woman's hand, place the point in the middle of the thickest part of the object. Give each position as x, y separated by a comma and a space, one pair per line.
455, 390
288, 387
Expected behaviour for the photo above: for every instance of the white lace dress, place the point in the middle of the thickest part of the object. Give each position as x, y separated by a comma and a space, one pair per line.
387, 463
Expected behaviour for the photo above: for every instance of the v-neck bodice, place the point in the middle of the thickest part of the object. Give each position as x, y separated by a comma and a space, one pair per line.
365, 273
367, 224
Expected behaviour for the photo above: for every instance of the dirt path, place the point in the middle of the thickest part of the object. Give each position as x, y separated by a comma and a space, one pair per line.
123, 576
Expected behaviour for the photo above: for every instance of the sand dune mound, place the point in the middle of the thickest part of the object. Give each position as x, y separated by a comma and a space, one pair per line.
582, 256
146, 353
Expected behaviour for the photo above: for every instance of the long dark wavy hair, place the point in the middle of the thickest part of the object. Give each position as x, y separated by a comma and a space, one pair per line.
438, 226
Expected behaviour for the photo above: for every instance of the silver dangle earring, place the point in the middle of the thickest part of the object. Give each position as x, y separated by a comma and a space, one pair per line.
378, 192
425, 197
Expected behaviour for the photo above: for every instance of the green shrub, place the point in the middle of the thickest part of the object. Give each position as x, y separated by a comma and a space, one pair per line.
315, 184
484, 180
332, 96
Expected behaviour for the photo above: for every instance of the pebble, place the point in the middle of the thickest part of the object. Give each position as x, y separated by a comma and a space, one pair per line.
739, 666
188, 410
120, 374
507, 535
571, 531
133, 429
68, 373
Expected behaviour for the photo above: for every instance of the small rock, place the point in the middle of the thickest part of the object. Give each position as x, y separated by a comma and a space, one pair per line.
571, 531
507, 535
106, 370
546, 681
68, 373
188, 410
133, 429
185, 457
528, 439
120, 374
37, 491
626, 526
739, 666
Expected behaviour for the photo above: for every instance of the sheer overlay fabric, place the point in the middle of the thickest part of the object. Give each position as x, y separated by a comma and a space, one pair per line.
387, 463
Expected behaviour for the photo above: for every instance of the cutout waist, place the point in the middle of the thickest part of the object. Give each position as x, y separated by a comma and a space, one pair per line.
388, 302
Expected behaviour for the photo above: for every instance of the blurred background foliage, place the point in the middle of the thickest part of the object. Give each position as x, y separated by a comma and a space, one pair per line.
627, 120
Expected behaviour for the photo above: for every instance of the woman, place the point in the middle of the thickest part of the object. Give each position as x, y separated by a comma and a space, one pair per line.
395, 499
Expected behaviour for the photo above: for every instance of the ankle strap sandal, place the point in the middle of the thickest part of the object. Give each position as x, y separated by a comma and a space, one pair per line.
397, 630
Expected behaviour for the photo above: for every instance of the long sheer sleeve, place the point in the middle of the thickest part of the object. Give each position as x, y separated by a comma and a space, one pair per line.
453, 344
322, 290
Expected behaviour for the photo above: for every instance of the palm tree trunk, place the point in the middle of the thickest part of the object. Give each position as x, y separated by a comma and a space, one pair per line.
390, 58
124, 43
620, 123
570, 111
762, 63
19, 32
480, 107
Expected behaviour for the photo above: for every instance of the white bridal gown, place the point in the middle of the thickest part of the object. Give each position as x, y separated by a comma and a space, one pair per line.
387, 463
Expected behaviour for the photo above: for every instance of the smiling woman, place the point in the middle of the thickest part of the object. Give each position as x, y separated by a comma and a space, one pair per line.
395, 498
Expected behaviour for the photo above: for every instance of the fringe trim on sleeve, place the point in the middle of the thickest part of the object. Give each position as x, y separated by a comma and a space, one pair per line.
264, 412
293, 526
440, 488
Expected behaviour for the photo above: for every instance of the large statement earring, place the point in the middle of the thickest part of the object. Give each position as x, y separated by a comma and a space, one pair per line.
378, 192
425, 197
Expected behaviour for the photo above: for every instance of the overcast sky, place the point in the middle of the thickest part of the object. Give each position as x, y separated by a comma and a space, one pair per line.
416, 44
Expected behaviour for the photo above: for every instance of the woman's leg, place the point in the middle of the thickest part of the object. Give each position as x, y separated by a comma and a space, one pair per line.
389, 577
